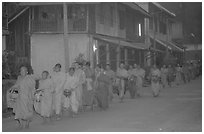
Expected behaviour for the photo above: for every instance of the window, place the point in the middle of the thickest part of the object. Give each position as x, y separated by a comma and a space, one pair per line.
162, 27
122, 19
77, 16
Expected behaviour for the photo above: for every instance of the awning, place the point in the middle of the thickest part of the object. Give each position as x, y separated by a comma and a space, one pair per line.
168, 44
136, 7
121, 42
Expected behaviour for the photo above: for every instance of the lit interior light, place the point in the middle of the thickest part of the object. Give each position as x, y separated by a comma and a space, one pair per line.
94, 48
140, 32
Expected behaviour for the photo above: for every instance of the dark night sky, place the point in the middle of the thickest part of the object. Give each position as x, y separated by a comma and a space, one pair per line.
190, 13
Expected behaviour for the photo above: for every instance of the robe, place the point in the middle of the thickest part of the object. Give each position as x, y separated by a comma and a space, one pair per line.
103, 82
44, 107
23, 107
140, 74
178, 76
79, 91
164, 73
58, 80
122, 74
156, 85
88, 88
72, 102
111, 76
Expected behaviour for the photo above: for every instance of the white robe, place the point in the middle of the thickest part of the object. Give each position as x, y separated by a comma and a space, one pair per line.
82, 78
72, 101
58, 80
44, 107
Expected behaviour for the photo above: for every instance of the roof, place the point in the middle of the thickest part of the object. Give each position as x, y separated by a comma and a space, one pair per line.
164, 9
135, 6
52, 3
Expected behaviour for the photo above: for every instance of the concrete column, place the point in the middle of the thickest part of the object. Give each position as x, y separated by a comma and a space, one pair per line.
66, 44
107, 54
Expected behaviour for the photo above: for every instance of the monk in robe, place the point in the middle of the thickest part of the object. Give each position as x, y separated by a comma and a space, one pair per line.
23, 106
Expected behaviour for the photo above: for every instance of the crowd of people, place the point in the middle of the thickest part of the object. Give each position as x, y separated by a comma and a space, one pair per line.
82, 88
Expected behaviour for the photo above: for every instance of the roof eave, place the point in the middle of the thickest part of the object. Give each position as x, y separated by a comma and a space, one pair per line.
164, 9
134, 6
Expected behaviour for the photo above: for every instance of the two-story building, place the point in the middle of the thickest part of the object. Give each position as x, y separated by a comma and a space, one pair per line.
161, 29
44, 34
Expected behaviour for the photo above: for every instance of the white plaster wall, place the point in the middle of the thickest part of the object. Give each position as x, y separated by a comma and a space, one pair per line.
46, 51
78, 43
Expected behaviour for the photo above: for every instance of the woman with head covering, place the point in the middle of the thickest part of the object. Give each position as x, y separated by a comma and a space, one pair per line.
43, 105
58, 79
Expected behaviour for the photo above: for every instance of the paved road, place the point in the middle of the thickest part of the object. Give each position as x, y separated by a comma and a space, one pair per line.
177, 109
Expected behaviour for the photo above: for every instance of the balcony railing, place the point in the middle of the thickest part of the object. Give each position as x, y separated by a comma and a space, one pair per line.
56, 26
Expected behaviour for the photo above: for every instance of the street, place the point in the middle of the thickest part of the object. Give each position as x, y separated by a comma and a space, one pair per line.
177, 109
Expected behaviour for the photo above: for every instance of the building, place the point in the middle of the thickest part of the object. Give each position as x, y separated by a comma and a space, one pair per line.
161, 30
43, 34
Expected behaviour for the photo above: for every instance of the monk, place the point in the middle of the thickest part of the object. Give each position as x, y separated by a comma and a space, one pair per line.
102, 89
140, 74
23, 106
122, 75
88, 90
111, 74
82, 78
155, 81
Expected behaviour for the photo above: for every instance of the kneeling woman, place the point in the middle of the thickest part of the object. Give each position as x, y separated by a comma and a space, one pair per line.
155, 81
43, 101
23, 106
